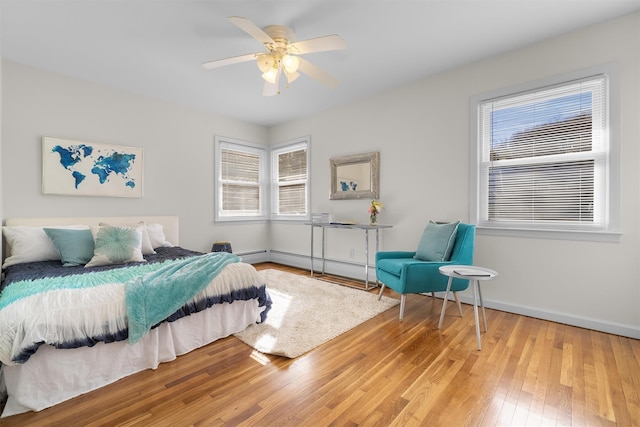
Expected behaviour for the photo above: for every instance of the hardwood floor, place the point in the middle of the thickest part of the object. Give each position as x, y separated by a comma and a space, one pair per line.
384, 373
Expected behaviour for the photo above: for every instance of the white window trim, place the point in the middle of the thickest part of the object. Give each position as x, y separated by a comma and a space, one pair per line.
275, 150
612, 231
220, 142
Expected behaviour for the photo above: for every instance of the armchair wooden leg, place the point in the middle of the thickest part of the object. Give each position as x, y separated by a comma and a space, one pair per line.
455, 295
403, 297
381, 291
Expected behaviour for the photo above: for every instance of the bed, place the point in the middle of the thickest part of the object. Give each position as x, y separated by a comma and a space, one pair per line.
121, 297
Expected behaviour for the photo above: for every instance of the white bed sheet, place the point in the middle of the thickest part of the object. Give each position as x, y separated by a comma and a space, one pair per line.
52, 376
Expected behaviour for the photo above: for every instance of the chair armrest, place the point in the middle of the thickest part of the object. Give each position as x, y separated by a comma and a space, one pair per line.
425, 276
394, 254
421, 268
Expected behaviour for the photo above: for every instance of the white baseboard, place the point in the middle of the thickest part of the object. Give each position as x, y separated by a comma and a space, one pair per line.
254, 257
356, 271
348, 269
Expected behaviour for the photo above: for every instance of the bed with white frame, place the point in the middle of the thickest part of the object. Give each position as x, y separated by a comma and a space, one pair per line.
53, 375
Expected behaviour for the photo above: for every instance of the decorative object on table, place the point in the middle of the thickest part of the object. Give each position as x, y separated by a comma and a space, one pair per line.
320, 217
220, 246
374, 209
89, 169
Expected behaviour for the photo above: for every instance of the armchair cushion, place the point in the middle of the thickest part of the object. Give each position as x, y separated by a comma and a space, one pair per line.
437, 242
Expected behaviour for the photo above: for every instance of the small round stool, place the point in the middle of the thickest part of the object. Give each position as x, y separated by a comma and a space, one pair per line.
221, 247
474, 275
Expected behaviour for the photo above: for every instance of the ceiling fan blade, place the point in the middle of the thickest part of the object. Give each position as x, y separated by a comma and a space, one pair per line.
228, 61
319, 44
252, 29
317, 73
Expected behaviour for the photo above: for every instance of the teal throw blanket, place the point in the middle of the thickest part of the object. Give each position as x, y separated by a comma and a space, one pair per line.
155, 296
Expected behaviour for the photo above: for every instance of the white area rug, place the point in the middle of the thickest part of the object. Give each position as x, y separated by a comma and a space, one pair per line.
308, 312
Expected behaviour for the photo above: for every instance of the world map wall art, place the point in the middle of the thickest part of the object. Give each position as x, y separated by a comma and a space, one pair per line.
89, 169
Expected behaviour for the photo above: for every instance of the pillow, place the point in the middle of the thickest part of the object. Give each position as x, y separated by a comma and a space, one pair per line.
75, 246
157, 237
146, 243
31, 244
116, 245
437, 242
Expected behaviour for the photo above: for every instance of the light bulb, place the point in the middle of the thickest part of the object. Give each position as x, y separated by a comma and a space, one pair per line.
291, 76
290, 63
270, 75
265, 62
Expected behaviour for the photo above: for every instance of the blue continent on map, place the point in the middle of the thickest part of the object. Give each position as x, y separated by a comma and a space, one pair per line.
116, 163
70, 156
103, 163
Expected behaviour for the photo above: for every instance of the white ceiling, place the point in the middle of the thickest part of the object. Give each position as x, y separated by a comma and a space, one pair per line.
156, 47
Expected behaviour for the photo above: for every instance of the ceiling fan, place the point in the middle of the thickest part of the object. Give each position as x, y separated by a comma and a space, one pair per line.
282, 55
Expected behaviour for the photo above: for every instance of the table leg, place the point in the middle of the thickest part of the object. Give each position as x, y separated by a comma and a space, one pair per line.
484, 315
444, 302
377, 250
312, 251
323, 259
366, 257
475, 312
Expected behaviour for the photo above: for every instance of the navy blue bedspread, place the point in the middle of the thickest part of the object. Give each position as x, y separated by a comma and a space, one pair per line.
39, 270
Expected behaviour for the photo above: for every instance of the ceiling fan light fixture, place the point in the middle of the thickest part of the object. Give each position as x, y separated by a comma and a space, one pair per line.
291, 76
270, 75
265, 62
290, 63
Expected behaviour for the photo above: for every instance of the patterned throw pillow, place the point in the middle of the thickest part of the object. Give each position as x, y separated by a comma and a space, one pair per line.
116, 245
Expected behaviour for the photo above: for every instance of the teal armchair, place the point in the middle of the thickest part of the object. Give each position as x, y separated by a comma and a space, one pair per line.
400, 271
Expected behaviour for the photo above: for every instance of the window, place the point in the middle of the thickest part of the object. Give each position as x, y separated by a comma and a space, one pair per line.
543, 159
290, 180
239, 180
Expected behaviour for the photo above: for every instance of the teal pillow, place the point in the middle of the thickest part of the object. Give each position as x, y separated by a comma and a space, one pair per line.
116, 245
75, 246
437, 242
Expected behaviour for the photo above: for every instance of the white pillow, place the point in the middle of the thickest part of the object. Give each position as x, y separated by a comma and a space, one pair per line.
31, 244
157, 237
116, 245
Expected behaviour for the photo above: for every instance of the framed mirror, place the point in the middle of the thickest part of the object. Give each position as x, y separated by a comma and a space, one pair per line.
355, 177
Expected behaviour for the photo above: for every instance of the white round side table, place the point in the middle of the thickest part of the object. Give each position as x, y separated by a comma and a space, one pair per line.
474, 274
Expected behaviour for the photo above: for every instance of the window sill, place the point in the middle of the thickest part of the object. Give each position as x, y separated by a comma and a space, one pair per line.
576, 235
290, 219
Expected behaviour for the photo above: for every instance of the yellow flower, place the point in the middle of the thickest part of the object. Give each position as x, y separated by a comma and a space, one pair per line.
375, 207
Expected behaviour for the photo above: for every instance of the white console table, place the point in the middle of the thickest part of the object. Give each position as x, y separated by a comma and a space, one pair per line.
366, 227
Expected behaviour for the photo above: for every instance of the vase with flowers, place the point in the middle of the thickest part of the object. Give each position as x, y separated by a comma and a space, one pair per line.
374, 209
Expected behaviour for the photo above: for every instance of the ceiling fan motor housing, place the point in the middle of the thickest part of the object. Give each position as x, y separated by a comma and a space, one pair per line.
280, 34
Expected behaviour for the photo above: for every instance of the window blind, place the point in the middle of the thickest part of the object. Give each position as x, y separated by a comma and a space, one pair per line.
240, 178
292, 179
544, 155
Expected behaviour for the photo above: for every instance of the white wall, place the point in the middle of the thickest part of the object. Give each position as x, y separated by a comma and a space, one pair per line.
178, 153
422, 133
